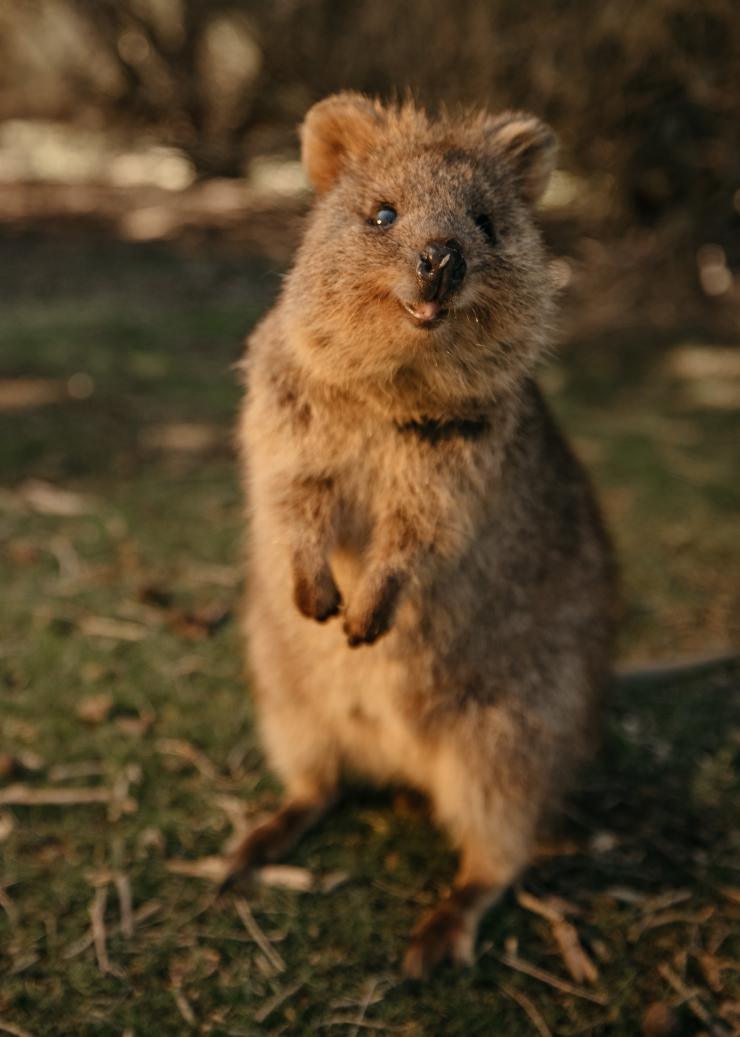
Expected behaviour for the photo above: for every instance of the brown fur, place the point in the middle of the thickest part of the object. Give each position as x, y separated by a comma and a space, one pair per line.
411, 477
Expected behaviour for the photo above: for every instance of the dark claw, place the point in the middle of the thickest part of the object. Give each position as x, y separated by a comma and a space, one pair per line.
315, 600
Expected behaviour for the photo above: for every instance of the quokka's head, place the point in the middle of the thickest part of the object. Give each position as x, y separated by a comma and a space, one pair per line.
421, 254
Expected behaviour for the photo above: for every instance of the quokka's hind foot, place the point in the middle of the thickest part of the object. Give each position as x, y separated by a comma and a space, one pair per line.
489, 862
448, 931
273, 838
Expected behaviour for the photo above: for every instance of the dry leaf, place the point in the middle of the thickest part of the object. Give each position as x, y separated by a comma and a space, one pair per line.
659, 1020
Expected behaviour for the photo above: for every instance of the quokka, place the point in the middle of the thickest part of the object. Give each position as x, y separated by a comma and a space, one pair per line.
430, 586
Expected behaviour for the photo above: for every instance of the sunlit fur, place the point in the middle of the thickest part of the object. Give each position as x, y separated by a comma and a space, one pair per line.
418, 474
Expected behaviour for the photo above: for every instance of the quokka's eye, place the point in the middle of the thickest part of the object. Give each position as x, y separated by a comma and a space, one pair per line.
485, 223
384, 217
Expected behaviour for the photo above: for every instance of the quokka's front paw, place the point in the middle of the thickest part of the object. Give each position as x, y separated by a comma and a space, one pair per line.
370, 614
317, 596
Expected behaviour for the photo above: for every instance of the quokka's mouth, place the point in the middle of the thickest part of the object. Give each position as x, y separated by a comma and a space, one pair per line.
425, 314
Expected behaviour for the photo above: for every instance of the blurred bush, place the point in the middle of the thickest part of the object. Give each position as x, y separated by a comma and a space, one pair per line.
645, 96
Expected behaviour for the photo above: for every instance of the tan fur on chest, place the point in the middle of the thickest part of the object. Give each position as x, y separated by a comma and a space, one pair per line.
365, 708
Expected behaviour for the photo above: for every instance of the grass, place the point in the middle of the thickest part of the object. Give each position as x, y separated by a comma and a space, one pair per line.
121, 669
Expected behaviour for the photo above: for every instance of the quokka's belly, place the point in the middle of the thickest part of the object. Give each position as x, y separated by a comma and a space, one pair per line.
362, 695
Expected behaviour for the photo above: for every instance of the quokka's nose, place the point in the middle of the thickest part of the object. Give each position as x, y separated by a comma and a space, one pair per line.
441, 268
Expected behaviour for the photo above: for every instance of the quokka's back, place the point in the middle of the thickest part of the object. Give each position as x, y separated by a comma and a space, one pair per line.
430, 588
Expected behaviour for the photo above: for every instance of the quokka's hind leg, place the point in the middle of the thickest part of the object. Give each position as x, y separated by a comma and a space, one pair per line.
277, 835
309, 768
494, 850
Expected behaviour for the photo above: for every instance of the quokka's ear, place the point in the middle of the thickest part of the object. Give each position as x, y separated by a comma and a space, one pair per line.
337, 128
528, 148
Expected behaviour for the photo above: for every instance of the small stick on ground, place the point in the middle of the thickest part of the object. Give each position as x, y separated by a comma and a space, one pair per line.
668, 918
519, 965
97, 921
529, 1008
140, 915
688, 996
278, 999
189, 753
15, 1031
662, 901
367, 998
184, 1007
259, 937
553, 909
577, 961
364, 1024
33, 796
123, 888
8, 907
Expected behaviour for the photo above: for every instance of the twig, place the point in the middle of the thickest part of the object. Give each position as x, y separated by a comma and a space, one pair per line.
184, 1007
117, 798
84, 769
116, 629
212, 868
287, 876
23, 962
185, 751
668, 918
140, 915
665, 900
519, 965
367, 998
688, 996
578, 963
529, 1008
33, 796
120, 801
365, 1024
8, 907
274, 1002
7, 824
553, 909
259, 937
97, 921
11, 1028
123, 888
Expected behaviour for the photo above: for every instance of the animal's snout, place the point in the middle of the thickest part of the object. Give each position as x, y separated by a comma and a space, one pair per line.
441, 268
